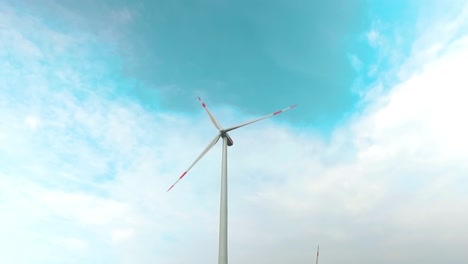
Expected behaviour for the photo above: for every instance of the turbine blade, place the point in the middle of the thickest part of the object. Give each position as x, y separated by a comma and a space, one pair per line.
210, 145
213, 119
258, 119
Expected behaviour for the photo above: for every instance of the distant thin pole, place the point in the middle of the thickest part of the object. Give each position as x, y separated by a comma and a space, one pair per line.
316, 259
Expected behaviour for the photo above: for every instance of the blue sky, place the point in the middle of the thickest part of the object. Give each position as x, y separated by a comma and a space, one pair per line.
251, 54
99, 116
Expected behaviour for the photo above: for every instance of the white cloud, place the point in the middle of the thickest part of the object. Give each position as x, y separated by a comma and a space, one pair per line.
356, 63
75, 244
373, 37
32, 121
120, 235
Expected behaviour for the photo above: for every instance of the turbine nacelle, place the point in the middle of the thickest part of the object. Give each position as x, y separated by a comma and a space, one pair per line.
230, 142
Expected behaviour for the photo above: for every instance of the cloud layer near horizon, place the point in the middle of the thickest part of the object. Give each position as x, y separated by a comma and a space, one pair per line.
84, 169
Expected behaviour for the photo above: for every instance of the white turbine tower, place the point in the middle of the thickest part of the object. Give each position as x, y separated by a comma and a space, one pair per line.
227, 141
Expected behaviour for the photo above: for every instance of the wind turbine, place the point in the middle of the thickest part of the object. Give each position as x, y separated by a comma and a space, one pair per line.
316, 259
227, 141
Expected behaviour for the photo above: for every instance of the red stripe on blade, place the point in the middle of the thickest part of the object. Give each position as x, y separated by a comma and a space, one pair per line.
277, 112
181, 176
202, 103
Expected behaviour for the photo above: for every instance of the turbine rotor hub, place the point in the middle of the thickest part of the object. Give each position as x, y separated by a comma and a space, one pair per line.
230, 142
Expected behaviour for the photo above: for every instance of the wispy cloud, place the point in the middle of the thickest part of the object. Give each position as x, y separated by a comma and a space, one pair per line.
355, 62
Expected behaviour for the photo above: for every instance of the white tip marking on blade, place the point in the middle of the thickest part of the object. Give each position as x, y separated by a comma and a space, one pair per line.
180, 178
280, 111
170, 187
